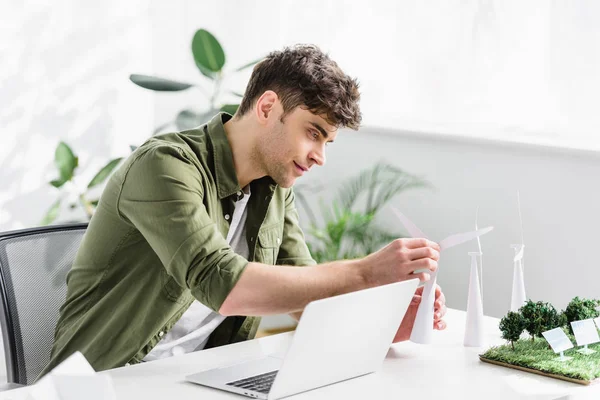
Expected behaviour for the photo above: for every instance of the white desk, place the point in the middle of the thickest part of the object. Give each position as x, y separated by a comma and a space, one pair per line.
444, 370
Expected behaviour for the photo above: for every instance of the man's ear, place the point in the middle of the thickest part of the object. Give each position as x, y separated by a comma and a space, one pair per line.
265, 106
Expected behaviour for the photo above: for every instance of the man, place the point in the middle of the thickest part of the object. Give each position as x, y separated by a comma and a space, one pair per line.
179, 255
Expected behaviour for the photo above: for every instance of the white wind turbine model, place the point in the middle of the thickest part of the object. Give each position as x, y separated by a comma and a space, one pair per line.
423, 326
474, 324
518, 297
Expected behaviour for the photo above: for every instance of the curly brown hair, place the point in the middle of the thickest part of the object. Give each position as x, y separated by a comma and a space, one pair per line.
304, 76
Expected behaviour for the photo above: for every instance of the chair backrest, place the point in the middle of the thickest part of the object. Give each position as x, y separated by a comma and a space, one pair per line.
33, 268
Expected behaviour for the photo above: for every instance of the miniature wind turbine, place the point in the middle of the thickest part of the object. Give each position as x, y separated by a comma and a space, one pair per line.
474, 325
423, 326
518, 296
480, 254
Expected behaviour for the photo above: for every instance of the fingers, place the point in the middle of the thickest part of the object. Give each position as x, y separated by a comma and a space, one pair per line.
439, 313
439, 325
423, 276
421, 242
423, 252
415, 300
424, 264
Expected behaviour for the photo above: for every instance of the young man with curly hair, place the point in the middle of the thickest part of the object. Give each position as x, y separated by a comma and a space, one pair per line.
179, 255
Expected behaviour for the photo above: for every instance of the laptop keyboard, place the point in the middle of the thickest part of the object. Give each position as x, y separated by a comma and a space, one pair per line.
259, 383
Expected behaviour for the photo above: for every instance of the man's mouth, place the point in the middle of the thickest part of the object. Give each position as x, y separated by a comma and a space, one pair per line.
300, 168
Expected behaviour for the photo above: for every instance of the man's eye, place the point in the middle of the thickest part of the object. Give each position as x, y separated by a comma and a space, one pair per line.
313, 134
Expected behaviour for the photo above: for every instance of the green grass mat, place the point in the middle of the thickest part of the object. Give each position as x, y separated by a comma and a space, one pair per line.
538, 356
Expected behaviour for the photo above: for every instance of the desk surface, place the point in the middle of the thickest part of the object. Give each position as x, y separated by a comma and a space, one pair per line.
444, 369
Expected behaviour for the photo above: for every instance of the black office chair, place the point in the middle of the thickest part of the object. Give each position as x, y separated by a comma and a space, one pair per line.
33, 268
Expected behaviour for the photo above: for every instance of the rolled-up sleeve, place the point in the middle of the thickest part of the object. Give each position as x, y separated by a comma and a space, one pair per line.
162, 196
293, 249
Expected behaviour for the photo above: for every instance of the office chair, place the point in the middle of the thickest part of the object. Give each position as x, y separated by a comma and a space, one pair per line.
33, 268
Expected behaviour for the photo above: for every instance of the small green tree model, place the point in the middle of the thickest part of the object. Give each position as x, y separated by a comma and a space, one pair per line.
541, 317
551, 318
511, 326
532, 312
579, 309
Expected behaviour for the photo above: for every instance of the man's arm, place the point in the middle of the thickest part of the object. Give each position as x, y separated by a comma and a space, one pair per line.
264, 290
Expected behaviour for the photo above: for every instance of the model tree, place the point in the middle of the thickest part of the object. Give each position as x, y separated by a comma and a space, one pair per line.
580, 309
532, 312
551, 318
511, 326
541, 317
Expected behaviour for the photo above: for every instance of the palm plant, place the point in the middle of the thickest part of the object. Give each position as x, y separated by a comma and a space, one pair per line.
349, 229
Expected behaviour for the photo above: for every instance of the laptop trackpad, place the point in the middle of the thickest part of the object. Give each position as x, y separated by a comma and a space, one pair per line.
236, 372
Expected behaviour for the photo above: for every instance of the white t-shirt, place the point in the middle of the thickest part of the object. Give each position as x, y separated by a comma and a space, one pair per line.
194, 327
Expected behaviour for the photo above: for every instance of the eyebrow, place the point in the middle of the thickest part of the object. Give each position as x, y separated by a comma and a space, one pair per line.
320, 129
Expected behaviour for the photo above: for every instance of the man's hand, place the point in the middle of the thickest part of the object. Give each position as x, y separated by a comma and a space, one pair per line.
399, 260
409, 319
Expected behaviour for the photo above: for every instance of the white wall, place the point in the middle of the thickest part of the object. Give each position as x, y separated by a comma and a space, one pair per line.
505, 69
64, 69
559, 201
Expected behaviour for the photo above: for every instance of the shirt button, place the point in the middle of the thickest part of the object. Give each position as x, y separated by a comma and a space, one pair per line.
239, 193
127, 364
252, 239
160, 334
227, 217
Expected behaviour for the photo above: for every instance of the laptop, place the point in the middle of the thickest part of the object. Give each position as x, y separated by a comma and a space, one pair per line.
337, 338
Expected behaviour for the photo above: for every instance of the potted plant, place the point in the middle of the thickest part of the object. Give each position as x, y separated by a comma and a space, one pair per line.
348, 230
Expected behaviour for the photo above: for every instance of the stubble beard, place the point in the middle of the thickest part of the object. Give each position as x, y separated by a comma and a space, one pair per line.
270, 155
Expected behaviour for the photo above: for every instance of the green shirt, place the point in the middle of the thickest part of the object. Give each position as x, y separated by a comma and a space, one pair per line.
157, 243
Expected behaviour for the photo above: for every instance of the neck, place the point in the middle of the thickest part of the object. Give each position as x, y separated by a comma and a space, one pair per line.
241, 134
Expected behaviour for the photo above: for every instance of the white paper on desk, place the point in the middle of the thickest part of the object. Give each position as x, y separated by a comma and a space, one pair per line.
74, 367
93, 387
423, 326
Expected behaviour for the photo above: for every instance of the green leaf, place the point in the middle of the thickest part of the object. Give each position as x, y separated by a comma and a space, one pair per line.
94, 203
65, 161
230, 108
250, 64
104, 172
57, 183
158, 84
380, 184
51, 214
208, 53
